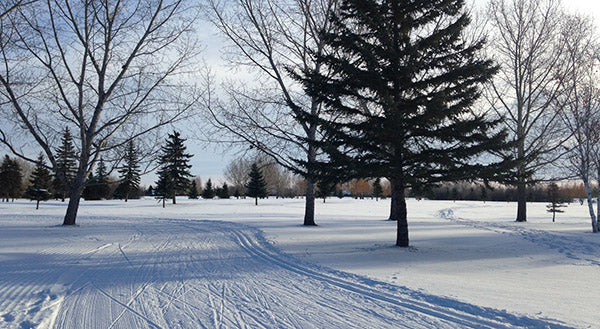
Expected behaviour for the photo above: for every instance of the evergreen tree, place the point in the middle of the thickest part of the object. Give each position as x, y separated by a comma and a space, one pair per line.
174, 172
325, 188
236, 194
150, 191
402, 97
66, 165
555, 201
208, 192
129, 174
97, 187
377, 189
39, 182
223, 192
193, 192
484, 193
10, 179
257, 186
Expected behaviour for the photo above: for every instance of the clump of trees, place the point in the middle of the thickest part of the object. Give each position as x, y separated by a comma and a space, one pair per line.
116, 74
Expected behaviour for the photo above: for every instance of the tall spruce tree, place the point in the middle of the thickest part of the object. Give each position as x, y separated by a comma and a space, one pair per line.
129, 174
39, 182
66, 164
10, 179
174, 172
257, 186
401, 97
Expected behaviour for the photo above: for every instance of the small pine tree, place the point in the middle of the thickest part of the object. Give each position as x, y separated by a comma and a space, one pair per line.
193, 193
236, 194
257, 186
555, 201
66, 165
174, 172
97, 187
224, 192
40, 182
208, 192
484, 193
325, 188
10, 179
129, 174
377, 189
149, 191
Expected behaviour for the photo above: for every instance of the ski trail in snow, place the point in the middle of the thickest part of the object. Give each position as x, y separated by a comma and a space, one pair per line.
205, 274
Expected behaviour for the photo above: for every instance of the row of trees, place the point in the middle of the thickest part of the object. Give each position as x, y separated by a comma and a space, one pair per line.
111, 72
45, 183
174, 176
392, 89
344, 89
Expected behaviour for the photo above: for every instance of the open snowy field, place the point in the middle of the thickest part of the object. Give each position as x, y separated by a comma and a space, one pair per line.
229, 264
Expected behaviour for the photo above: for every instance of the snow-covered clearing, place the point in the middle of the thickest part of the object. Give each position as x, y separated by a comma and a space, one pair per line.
228, 264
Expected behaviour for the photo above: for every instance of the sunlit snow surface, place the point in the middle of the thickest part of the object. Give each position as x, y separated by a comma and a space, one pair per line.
230, 264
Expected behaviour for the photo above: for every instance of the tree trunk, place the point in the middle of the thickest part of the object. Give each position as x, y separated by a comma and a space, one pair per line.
73, 207
588, 193
521, 202
398, 212
126, 196
309, 208
37, 205
174, 199
164, 202
256, 201
598, 199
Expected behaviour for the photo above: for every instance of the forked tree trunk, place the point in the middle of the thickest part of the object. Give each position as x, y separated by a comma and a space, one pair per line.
398, 213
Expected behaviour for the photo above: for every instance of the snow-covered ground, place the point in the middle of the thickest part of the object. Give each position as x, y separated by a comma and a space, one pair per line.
228, 264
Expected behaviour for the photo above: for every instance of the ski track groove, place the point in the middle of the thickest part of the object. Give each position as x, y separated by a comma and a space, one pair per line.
418, 307
179, 273
570, 247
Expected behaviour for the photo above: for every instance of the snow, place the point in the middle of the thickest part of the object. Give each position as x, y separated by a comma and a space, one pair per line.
230, 264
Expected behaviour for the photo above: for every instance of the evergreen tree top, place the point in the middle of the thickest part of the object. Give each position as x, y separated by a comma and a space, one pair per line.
257, 186
402, 94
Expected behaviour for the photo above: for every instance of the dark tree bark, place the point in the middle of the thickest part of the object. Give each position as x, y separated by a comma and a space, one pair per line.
398, 212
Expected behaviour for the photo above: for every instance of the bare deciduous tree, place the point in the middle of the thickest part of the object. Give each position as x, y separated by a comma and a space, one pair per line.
525, 42
581, 102
109, 70
273, 38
